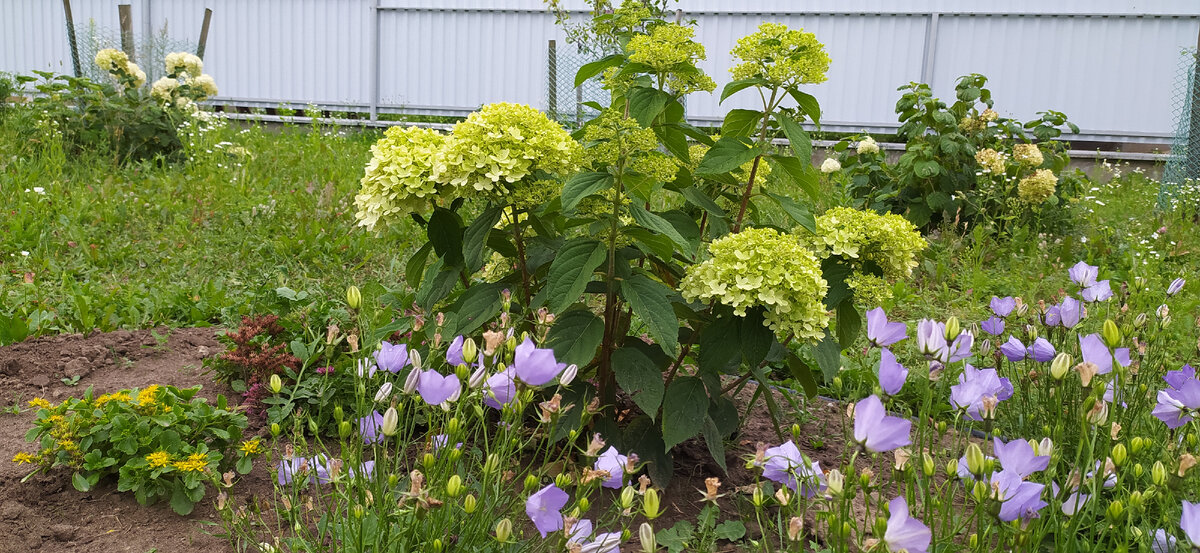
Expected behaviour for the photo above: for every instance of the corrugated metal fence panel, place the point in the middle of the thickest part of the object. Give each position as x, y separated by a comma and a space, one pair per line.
863, 75
459, 60
1109, 75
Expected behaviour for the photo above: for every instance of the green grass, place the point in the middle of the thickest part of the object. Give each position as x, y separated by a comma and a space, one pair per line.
109, 247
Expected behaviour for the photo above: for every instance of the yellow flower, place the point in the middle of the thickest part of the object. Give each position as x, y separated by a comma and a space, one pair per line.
1037, 187
146, 397
251, 447
22, 457
40, 403
106, 398
159, 459
68, 445
195, 462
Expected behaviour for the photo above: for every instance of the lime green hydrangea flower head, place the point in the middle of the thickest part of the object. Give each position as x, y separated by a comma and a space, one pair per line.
1038, 187
1028, 154
503, 144
625, 19
670, 49
781, 56
888, 241
398, 179
611, 134
761, 267
991, 161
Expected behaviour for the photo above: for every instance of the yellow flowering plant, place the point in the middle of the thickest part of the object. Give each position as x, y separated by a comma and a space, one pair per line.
161, 442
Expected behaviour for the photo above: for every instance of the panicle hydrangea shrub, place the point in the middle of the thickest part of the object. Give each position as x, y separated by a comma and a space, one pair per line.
1038, 187
611, 136
889, 241
781, 56
670, 49
761, 267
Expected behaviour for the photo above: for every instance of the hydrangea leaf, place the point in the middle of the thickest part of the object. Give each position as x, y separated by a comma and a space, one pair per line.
640, 378
570, 272
575, 336
741, 122
727, 154
685, 405
589, 70
648, 299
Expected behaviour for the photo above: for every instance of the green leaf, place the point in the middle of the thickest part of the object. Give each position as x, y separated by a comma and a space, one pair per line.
640, 378
802, 373
589, 70
570, 272
697, 198
648, 299
677, 537
729, 153
808, 104
575, 336
829, 356
438, 287
581, 186
835, 272
719, 345
675, 140
645, 437
475, 238
741, 122
715, 442
684, 407
80, 483
646, 103
800, 172
478, 305
797, 212
730, 530
180, 502
767, 393
662, 226
652, 244
414, 268
848, 324
926, 168
755, 338
740, 84
797, 136
445, 232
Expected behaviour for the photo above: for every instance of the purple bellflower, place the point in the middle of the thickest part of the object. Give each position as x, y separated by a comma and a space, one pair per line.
1083, 274
905, 533
786, 465
993, 326
1013, 349
499, 389
1041, 351
1099, 291
435, 389
535, 366
1018, 457
891, 373
931, 338
1190, 522
1019, 499
881, 332
1175, 379
1070, 312
1053, 316
1162, 542
391, 358
1094, 351
1003, 306
370, 428
1176, 406
454, 352
614, 463
974, 385
545, 509
875, 430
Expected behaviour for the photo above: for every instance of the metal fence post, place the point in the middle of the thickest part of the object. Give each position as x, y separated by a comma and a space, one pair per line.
375, 46
928, 56
71, 38
552, 79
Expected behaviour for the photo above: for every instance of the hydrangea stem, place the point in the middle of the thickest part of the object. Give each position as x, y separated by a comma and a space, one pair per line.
768, 106
520, 243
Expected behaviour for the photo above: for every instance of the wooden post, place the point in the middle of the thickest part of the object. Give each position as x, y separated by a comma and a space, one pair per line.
71, 38
552, 81
125, 12
204, 33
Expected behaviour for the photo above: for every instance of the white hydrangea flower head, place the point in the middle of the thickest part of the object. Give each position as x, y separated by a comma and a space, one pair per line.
868, 146
206, 84
111, 59
830, 165
177, 63
163, 88
399, 178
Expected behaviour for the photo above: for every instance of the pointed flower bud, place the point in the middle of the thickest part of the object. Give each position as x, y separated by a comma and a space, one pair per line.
503, 530
1158, 473
414, 357
391, 419
975, 460
469, 503
275, 383
383, 393
647, 538
454, 486
1119, 454
353, 297
1060, 365
651, 504
953, 328
1110, 333
568, 375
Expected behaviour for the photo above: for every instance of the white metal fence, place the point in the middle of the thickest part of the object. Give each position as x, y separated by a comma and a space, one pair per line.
1109, 64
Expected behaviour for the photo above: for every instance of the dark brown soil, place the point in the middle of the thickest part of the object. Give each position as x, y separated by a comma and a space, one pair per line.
45, 513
